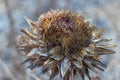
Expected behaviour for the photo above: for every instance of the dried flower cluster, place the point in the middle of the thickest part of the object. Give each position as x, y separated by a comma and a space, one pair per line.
64, 43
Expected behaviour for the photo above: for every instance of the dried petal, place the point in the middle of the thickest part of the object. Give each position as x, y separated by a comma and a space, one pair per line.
77, 57
89, 65
65, 66
87, 73
31, 58
96, 41
106, 46
55, 72
78, 64
25, 31
48, 62
102, 51
98, 33
82, 73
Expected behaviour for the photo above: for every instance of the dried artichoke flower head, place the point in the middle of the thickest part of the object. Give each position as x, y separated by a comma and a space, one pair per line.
66, 44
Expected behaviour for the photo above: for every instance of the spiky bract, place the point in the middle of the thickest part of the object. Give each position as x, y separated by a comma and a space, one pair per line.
65, 43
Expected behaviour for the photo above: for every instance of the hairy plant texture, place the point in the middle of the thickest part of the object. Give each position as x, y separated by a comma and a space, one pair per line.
65, 43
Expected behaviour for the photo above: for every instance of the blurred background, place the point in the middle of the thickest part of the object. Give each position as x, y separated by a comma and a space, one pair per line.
102, 13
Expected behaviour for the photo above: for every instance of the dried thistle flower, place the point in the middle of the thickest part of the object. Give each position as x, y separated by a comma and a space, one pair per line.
66, 43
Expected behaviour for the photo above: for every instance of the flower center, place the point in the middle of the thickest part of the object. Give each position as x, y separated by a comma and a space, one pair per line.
68, 34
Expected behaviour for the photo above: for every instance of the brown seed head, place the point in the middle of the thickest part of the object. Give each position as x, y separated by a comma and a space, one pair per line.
66, 43
65, 29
